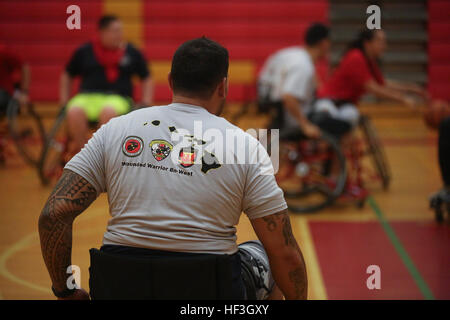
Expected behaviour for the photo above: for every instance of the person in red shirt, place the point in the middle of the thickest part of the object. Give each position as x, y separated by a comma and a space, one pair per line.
14, 74
358, 73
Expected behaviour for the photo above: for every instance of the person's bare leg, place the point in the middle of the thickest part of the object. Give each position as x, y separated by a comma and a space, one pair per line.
77, 125
276, 294
107, 114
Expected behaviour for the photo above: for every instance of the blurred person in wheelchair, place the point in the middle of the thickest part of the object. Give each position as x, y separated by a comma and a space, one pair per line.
14, 79
106, 66
287, 82
359, 73
14, 83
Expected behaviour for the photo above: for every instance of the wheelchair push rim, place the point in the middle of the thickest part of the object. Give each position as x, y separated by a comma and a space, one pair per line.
53, 156
316, 173
376, 152
26, 130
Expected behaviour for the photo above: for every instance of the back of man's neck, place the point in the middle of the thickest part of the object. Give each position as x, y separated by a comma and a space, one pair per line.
191, 101
312, 53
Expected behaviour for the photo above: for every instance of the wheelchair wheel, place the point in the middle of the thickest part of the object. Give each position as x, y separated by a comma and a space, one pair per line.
376, 151
27, 131
54, 155
312, 173
440, 203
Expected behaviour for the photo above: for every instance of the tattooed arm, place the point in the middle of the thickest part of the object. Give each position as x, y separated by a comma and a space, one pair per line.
70, 197
286, 260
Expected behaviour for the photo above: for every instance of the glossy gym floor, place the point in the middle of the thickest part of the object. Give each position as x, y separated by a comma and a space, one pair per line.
394, 230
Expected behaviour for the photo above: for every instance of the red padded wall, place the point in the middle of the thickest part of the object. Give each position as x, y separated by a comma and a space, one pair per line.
37, 31
439, 48
250, 29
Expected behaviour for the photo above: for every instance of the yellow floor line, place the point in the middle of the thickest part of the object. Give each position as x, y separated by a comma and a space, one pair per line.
21, 245
25, 242
316, 285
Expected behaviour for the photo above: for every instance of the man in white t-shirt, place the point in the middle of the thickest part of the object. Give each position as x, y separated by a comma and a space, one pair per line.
288, 79
178, 178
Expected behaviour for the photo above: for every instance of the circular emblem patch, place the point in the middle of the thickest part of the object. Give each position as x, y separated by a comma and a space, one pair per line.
187, 157
132, 146
160, 149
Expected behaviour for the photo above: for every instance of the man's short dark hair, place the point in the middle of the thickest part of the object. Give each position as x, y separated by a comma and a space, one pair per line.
316, 33
106, 20
198, 66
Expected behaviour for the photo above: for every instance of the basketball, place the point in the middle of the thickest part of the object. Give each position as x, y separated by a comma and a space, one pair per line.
435, 113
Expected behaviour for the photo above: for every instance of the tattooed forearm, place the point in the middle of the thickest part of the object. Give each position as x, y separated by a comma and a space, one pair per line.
70, 197
273, 220
282, 218
298, 280
289, 239
287, 263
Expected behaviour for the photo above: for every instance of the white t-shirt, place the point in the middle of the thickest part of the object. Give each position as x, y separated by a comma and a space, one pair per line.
289, 71
172, 186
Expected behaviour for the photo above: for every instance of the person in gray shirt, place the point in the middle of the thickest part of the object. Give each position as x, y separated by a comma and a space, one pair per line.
177, 184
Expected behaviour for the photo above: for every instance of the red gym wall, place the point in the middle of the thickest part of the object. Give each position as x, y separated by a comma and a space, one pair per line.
250, 29
439, 48
37, 31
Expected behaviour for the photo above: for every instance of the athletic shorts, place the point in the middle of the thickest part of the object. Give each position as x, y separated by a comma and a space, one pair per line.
93, 104
347, 112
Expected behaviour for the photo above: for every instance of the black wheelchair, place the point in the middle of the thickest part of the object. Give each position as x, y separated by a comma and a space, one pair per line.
311, 172
196, 277
314, 173
440, 203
